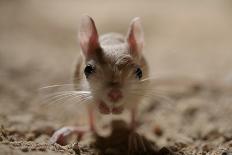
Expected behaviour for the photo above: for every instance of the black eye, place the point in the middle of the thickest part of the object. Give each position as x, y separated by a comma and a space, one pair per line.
89, 69
138, 73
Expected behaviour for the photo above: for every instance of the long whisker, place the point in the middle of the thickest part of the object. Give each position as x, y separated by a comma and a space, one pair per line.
81, 96
81, 100
55, 95
152, 96
56, 98
150, 93
149, 90
155, 80
56, 85
156, 97
68, 92
60, 85
69, 98
59, 98
74, 97
64, 94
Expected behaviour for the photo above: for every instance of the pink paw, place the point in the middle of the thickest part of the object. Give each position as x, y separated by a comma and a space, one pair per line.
60, 136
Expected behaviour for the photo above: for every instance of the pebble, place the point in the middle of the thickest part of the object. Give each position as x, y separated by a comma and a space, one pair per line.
158, 131
165, 151
42, 149
30, 136
76, 148
24, 149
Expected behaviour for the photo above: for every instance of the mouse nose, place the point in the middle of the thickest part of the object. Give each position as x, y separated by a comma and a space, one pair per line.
115, 95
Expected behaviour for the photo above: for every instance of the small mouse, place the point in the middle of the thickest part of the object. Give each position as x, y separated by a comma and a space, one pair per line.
113, 69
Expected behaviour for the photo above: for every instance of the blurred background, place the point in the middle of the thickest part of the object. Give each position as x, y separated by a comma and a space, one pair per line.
38, 43
38, 39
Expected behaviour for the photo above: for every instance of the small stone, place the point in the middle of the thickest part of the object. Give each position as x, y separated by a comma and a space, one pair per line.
181, 145
42, 149
33, 148
76, 148
158, 131
30, 136
5, 142
1, 139
16, 144
206, 148
24, 149
164, 151
174, 148
11, 139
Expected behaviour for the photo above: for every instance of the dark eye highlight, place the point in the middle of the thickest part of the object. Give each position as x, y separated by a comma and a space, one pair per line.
138, 73
89, 69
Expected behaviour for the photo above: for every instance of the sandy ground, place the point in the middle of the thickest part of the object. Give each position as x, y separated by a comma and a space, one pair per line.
189, 49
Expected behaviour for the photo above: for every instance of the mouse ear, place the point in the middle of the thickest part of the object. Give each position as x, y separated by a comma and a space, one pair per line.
135, 37
88, 36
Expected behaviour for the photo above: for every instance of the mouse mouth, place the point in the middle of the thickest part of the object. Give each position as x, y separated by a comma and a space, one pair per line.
105, 109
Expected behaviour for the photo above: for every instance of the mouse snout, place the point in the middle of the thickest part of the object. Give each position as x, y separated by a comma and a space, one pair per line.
115, 95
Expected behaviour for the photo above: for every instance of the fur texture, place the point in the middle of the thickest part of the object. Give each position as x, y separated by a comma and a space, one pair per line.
115, 59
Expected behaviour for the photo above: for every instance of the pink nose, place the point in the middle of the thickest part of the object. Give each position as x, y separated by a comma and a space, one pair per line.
114, 95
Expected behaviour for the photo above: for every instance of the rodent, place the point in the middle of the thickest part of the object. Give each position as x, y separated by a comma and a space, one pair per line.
112, 69
112, 66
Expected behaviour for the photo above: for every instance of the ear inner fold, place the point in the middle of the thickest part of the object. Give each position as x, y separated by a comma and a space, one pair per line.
88, 36
135, 38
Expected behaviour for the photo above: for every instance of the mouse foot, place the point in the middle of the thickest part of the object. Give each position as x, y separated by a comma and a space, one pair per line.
60, 136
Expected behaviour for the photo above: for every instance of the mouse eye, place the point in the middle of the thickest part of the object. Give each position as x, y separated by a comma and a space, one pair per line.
138, 73
89, 69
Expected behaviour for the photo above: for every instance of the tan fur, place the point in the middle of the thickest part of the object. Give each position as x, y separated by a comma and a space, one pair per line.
114, 64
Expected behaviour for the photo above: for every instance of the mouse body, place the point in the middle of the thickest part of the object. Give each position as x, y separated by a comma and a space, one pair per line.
112, 67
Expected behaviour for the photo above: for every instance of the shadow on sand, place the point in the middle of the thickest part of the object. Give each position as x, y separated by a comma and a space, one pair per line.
124, 141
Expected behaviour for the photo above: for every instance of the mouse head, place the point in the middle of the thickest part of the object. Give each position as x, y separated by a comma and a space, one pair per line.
114, 67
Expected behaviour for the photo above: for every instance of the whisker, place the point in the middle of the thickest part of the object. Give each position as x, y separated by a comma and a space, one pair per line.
167, 100
74, 97
61, 85
59, 99
57, 85
81, 96
151, 93
149, 90
68, 92
63, 94
55, 95
67, 99
82, 100
51, 99
79, 101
